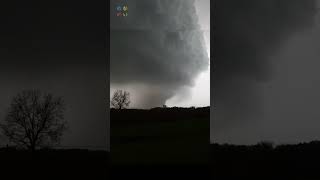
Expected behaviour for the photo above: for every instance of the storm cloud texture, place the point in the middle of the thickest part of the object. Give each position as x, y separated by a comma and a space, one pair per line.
157, 50
255, 44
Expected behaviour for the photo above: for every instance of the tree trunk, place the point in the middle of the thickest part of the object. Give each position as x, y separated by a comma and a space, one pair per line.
33, 147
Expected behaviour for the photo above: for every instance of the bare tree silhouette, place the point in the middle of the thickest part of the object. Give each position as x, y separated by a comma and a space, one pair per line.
120, 99
35, 119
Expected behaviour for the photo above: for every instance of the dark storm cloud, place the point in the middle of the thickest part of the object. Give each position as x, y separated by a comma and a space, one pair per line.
247, 34
48, 34
158, 44
58, 47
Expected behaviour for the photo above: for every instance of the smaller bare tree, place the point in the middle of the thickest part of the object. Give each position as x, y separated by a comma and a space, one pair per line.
120, 99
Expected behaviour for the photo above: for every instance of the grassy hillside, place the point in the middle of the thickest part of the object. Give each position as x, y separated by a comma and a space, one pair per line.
160, 136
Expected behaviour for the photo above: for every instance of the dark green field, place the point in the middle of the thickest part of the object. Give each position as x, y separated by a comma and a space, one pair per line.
160, 136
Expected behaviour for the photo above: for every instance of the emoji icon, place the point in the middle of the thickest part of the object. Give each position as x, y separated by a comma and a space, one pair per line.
119, 8
119, 14
125, 8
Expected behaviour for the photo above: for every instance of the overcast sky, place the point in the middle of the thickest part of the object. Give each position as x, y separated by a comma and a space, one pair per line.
60, 49
200, 92
159, 52
267, 72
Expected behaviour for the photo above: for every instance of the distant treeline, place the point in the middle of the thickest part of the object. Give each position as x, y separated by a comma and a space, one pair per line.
159, 114
165, 109
51, 150
266, 161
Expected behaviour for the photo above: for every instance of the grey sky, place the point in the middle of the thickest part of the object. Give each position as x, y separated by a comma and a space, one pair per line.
199, 94
157, 51
266, 79
41, 49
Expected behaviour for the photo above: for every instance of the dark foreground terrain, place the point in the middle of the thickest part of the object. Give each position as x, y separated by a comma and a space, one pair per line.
263, 161
160, 142
54, 164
